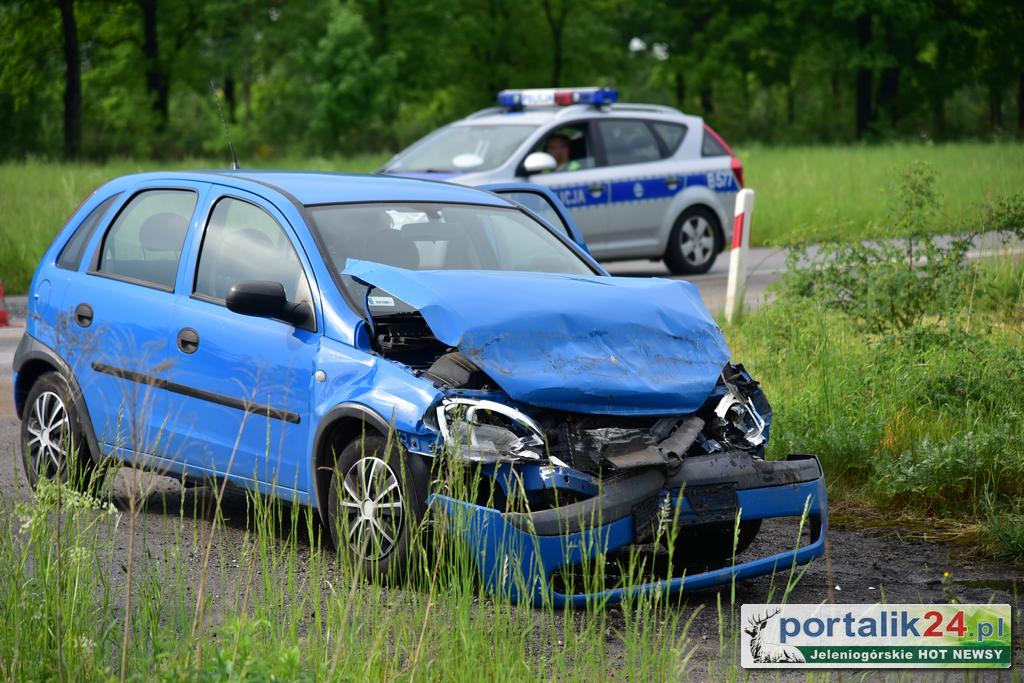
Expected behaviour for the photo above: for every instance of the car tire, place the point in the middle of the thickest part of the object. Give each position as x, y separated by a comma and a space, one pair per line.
713, 542
694, 243
53, 444
376, 501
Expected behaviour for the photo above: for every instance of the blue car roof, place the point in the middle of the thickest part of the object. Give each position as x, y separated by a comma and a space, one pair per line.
331, 188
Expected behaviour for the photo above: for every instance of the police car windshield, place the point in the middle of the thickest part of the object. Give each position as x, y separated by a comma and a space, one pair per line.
428, 236
463, 148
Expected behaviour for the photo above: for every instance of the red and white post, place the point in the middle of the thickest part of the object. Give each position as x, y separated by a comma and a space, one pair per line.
736, 289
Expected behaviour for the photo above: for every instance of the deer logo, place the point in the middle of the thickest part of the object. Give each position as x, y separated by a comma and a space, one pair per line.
773, 654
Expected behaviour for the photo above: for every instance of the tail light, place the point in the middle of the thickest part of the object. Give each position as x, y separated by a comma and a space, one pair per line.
737, 169
737, 166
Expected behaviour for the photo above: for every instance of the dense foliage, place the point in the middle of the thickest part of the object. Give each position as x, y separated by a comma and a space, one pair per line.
97, 78
896, 361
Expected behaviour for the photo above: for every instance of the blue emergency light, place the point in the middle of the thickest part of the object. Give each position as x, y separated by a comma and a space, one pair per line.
556, 97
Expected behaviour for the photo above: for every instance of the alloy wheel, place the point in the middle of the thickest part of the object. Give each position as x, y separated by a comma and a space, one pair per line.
371, 500
49, 434
697, 240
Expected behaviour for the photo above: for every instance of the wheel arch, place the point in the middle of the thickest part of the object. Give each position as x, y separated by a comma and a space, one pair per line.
340, 425
30, 371
694, 198
32, 360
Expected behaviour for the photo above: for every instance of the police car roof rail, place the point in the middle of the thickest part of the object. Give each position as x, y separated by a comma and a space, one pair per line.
577, 108
487, 111
629, 106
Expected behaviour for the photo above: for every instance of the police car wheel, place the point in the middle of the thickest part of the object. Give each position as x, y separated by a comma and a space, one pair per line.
695, 242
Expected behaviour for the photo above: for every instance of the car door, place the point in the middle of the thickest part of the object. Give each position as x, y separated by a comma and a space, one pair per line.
543, 202
246, 380
643, 182
118, 310
584, 188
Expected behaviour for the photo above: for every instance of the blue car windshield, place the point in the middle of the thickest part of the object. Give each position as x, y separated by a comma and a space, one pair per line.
462, 148
429, 236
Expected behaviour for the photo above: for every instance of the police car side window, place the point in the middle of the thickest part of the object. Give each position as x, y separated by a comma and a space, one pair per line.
711, 147
573, 140
671, 134
628, 141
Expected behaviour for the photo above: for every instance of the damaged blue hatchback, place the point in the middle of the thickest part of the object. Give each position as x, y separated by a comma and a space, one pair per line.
329, 339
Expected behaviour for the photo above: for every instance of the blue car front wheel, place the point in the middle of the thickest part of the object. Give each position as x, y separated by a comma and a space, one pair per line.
374, 506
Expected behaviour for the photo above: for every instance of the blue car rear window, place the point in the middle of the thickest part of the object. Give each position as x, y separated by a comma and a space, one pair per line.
71, 255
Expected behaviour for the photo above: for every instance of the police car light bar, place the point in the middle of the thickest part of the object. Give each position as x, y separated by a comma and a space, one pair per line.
560, 97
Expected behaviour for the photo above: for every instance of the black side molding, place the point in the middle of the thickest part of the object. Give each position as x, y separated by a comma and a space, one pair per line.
201, 394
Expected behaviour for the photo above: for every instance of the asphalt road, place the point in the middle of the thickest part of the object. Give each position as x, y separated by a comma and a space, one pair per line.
764, 266
859, 566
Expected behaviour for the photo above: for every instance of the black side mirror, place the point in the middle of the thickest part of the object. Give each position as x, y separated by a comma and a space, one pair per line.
266, 299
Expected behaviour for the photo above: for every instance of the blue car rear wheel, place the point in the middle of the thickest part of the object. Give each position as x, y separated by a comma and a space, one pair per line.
53, 445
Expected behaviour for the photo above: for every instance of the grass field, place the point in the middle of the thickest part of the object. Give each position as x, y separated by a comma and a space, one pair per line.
914, 417
804, 193
818, 193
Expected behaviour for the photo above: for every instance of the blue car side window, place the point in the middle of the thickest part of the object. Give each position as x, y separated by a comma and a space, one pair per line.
540, 206
144, 243
71, 255
243, 242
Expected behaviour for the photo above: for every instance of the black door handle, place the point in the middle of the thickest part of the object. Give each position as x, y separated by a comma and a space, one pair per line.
672, 182
596, 189
188, 340
83, 315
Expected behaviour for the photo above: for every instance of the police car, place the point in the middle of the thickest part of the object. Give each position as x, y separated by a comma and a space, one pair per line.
641, 180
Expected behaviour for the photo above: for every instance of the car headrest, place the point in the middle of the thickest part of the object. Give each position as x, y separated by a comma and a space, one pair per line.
163, 232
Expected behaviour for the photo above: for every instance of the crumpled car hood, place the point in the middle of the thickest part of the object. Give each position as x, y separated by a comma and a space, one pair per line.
587, 344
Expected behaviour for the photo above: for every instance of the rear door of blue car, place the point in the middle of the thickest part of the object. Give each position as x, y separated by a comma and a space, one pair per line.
118, 307
246, 411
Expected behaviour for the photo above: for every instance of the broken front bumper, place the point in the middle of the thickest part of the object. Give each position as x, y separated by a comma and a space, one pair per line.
518, 555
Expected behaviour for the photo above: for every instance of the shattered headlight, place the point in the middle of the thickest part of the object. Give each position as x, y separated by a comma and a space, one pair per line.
488, 432
740, 412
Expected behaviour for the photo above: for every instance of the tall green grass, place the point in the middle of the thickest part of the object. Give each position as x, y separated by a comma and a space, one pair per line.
278, 605
819, 193
913, 424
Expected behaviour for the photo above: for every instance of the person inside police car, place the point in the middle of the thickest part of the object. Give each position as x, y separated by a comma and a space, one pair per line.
558, 146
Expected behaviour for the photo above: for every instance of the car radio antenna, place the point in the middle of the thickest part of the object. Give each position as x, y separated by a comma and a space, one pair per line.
224, 122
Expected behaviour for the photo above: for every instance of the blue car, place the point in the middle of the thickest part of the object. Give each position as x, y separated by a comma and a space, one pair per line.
329, 339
